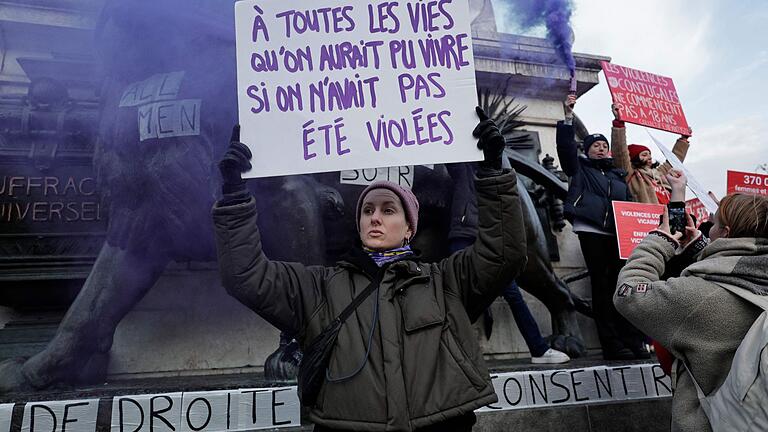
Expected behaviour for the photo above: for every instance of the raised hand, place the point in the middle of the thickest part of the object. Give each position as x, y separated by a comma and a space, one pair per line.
491, 141
236, 160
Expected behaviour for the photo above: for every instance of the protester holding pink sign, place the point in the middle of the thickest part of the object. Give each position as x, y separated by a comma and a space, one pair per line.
595, 183
645, 176
646, 99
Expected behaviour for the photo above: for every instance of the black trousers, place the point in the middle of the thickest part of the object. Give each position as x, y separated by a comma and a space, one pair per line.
461, 423
601, 254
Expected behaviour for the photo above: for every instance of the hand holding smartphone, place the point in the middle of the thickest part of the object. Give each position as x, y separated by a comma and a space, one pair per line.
677, 218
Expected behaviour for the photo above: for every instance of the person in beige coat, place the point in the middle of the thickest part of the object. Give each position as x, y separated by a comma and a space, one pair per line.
645, 177
701, 322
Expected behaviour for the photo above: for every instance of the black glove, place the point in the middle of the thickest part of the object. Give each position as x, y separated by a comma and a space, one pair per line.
236, 160
491, 141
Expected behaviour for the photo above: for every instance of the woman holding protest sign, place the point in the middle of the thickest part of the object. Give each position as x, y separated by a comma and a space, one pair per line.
645, 177
595, 183
388, 341
704, 315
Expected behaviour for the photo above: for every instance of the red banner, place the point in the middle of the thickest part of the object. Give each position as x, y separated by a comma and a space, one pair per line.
745, 182
698, 210
646, 99
633, 222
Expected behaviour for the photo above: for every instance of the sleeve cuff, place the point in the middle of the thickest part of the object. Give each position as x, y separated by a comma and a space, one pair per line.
618, 124
661, 234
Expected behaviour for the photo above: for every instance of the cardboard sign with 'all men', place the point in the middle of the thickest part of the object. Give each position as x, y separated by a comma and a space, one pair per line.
633, 222
646, 99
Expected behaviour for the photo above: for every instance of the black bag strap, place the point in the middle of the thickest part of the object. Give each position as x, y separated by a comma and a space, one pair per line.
357, 301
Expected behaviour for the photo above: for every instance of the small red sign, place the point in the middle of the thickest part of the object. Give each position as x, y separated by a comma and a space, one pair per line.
745, 182
633, 222
697, 209
646, 99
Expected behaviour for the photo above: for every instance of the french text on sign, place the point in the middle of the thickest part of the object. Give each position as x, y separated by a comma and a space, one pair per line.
374, 84
268, 408
745, 182
60, 416
213, 411
633, 222
517, 390
646, 99
146, 413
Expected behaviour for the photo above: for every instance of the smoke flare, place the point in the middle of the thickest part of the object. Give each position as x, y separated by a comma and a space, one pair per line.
554, 14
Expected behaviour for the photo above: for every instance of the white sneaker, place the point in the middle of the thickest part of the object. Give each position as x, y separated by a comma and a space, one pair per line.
552, 356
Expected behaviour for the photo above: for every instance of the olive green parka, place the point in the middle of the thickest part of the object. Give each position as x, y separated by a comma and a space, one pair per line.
425, 364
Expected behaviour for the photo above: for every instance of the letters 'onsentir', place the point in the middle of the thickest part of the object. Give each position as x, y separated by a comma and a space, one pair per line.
324, 86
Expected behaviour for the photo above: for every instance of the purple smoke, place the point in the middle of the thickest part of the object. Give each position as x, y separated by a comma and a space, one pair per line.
554, 14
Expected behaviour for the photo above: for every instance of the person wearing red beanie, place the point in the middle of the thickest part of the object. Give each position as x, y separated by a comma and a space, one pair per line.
645, 178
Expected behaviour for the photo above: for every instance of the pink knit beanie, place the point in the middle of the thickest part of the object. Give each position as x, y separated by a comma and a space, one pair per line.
407, 199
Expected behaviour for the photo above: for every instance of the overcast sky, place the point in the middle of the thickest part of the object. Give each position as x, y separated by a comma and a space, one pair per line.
716, 52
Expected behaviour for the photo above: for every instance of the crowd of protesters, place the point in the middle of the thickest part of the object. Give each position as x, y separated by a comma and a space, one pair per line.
409, 359
697, 296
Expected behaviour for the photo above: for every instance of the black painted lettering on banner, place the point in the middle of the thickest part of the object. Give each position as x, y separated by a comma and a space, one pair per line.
157, 413
658, 378
32, 416
598, 381
623, 379
575, 384
559, 385
121, 410
519, 391
253, 403
276, 404
207, 418
66, 419
642, 378
534, 384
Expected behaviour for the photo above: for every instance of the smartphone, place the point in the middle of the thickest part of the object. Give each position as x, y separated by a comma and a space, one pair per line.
677, 219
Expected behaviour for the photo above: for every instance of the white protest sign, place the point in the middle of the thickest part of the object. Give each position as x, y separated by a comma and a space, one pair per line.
146, 413
332, 85
6, 410
693, 184
57, 416
529, 389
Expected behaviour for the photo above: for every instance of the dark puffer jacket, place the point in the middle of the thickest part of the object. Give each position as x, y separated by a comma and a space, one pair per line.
594, 184
425, 365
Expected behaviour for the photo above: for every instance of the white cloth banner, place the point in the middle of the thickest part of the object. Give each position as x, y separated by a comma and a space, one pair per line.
269, 408
693, 184
329, 85
214, 411
517, 390
72, 416
6, 410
